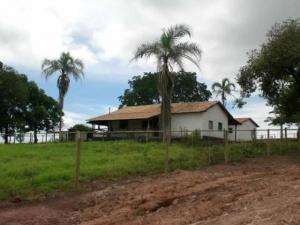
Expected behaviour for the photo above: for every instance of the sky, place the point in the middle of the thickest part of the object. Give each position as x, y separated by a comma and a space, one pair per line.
104, 34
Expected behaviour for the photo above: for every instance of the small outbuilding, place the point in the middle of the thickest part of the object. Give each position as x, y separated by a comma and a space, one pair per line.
244, 131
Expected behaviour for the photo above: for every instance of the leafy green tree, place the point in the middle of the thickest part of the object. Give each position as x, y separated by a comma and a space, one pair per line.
143, 89
274, 70
66, 66
80, 127
169, 52
13, 101
223, 89
43, 112
23, 106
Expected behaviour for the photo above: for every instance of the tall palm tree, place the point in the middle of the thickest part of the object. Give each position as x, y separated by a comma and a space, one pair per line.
66, 67
224, 89
169, 52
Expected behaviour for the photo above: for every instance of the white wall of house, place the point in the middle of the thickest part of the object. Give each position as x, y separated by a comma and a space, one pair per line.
200, 121
245, 131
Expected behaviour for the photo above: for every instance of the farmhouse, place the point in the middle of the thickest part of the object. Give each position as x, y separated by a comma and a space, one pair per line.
244, 131
210, 117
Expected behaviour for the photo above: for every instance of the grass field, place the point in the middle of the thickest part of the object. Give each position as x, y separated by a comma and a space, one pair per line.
33, 170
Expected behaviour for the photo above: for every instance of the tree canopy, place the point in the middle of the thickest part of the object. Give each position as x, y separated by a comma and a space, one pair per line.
143, 89
24, 106
43, 112
274, 71
80, 127
13, 100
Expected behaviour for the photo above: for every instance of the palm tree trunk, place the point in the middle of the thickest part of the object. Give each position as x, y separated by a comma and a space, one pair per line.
6, 135
35, 136
223, 98
166, 94
61, 105
165, 87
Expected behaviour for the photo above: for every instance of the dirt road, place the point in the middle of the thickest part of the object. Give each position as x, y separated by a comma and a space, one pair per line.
258, 191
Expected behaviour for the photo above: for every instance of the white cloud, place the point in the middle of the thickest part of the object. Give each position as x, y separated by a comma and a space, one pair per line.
105, 33
71, 118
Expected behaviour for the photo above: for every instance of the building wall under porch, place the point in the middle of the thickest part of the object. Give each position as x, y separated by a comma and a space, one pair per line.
123, 128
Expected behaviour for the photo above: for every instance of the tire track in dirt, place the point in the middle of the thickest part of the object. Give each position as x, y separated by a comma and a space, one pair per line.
259, 191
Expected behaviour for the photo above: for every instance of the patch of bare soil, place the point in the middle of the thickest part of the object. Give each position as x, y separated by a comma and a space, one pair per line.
258, 191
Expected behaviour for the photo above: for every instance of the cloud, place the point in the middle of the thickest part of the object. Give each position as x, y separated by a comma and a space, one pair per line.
71, 118
105, 33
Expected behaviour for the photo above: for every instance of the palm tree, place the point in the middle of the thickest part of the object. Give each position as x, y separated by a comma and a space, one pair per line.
66, 66
169, 53
224, 89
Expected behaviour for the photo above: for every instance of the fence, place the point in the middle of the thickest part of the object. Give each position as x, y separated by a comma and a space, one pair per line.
85, 156
211, 136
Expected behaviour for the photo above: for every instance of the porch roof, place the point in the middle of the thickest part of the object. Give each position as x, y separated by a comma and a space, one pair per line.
243, 119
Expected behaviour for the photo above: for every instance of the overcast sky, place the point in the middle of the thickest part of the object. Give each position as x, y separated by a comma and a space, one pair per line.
105, 33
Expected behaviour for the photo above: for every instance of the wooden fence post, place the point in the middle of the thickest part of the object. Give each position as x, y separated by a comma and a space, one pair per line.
193, 134
254, 134
46, 137
226, 146
285, 133
268, 148
268, 142
77, 165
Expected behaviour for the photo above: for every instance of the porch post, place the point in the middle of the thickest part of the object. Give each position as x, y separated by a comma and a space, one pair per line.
148, 128
235, 126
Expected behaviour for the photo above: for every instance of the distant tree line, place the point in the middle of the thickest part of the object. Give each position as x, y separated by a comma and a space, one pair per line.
24, 106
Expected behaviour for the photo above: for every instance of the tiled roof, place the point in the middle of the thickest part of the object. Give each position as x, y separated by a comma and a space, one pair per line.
148, 111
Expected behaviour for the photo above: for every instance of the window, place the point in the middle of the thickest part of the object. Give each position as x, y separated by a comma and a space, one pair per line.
123, 124
230, 130
210, 125
220, 126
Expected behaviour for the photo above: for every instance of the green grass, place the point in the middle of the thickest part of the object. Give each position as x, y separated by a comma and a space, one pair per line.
32, 170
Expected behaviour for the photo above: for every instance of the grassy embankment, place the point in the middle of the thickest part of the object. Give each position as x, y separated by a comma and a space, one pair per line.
33, 170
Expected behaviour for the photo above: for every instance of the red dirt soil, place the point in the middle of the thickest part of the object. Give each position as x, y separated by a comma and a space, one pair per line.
258, 191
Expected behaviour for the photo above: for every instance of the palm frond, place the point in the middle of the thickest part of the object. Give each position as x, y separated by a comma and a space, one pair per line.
178, 31
189, 51
50, 67
146, 50
216, 86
